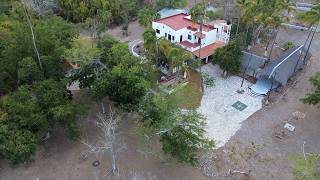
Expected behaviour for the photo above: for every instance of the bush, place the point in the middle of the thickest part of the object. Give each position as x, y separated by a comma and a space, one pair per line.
288, 45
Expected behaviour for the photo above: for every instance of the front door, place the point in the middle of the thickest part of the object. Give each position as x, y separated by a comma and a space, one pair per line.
169, 37
181, 38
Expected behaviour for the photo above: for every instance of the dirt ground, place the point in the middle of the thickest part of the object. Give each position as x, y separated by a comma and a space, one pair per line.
135, 32
257, 147
59, 158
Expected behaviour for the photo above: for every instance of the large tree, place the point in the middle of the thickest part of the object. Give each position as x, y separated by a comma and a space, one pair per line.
27, 114
186, 137
83, 50
182, 134
52, 34
171, 3
146, 16
228, 57
124, 85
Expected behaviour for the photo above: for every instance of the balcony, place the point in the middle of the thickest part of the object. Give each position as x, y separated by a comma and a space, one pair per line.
189, 46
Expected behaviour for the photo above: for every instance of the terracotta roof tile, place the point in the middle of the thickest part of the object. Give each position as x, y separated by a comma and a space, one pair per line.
208, 50
189, 44
179, 21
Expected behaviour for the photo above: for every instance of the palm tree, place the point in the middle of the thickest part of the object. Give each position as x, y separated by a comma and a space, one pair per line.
242, 5
311, 17
178, 59
276, 19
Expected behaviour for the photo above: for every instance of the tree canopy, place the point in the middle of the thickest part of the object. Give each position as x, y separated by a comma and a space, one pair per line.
182, 134
53, 35
82, 50
228, 57
314, 98
30, 112
106, 11
146, 16
34, 97
171, 3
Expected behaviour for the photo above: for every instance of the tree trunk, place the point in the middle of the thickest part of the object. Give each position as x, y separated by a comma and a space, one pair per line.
103, 108
272, 46
238, 24
314, 32
304, 46
33, 36
268, 43
114, 163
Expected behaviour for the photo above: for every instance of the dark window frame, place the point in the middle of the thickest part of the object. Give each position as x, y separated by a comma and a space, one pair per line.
189, 37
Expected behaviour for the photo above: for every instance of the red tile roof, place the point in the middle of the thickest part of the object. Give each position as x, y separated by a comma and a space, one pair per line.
179, 21
208, 50
189, 44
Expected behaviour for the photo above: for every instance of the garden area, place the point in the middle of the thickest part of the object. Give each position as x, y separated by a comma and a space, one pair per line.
191, 94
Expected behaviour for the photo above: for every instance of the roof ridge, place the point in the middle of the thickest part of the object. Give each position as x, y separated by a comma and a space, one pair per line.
172, 16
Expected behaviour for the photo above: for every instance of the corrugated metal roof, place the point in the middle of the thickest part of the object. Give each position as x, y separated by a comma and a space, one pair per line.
285, 65
251, 63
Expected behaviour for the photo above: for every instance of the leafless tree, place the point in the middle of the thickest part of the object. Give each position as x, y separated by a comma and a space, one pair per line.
107, 144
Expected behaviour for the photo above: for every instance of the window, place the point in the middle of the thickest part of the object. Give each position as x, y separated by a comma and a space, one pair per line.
166, 35
172, 38
169, 37
157, 31
189, 37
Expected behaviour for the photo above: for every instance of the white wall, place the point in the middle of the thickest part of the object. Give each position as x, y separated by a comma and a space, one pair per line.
211, 36
165, 29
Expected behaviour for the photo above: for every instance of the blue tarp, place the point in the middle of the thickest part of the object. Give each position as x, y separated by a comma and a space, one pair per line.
262, 86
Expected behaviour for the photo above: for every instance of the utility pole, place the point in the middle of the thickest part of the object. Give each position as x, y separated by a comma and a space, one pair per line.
200, 40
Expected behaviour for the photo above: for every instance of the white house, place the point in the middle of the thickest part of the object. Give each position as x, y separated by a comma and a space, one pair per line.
179, 29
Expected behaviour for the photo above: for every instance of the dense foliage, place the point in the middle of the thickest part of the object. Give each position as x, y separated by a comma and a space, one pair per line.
171, 3
146, 16
30, 112
82, 50
17, 58
228, 57
314, 98
186, 137
34, 97
106, 11
116, 74
182, 134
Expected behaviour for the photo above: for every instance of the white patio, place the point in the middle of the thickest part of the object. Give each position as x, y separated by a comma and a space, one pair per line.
223, 120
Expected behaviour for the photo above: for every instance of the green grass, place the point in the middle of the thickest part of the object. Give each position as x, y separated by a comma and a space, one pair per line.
190, 95
306, 169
